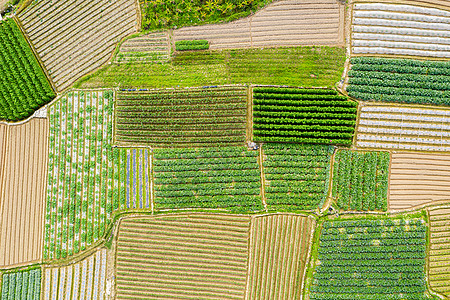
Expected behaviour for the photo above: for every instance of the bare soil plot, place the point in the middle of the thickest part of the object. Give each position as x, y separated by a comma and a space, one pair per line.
439, 256
152, 47
279, 246
74, 38
418, 179
282, 23
23, 177
195, 256
85, 279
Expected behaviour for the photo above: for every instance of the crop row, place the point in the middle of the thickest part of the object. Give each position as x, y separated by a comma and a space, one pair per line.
24, 87
25, 285
312, 109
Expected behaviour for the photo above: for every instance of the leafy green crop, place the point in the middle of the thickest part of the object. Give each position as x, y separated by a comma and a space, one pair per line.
191, 45
24, 87
24, 285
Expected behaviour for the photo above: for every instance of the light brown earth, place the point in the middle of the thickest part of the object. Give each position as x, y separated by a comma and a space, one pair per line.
418, 179
439, 256
279, 246
282, 23
186, 256
23, 179
73, 38
152, 47
3, 5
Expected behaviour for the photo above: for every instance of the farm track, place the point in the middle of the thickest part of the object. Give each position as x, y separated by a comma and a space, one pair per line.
81, 48
439, 255
278, 251
187, 265
418, 179
282, 23
23, 173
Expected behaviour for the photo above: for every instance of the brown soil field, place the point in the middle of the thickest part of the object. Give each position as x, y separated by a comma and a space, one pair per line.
418, 179
186, 256
282, 23
3, 5
73, 38
279, 246
439, 255
23, 179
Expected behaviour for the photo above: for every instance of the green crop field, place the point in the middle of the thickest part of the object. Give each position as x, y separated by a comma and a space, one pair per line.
177, 118
22, 285
314, 116
360, 180
24, 86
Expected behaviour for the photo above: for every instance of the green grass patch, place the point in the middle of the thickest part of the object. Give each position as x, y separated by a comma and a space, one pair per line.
297, 66
192, 45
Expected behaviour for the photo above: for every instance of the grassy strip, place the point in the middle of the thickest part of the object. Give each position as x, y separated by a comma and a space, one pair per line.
297, 66
191, 45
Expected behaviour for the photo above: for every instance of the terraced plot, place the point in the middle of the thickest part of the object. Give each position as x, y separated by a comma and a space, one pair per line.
227, 177
74, 38
186, 117
21, 285
381, 28
282, 23
403, 127
23, 176
418, 179
152, 47
82, 280
296, 176
371, 259
190, 256
279, 246
439, 263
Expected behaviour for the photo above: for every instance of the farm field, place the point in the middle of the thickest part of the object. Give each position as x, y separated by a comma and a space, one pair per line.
418, 179
85, 279
24, 285
314, 116
23, 176
392, 29
295, 66
388, 256
399, 80
296, 176
19, 68
83, 172
278, 252
403, 127
183, 256
227, 177
152, 47
360, 180
95, 27
282, 23
182, 117
439, 263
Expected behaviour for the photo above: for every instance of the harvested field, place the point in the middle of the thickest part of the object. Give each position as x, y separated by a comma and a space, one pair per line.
74, 38
282, 23
191, 256
439, 262
153, 47
418, 179
381, 28
404, 127
23, 174
83, 280
279, 246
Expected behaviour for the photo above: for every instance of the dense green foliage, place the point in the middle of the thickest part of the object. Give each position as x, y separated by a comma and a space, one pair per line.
22, 285
296, 66
193, 117
179, 13
191, 45
24, 87
296, 176
371, 259
400, 80
226, 177
312, 116
360, 180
